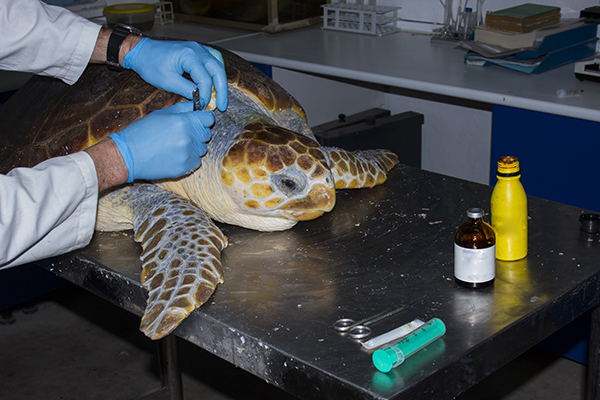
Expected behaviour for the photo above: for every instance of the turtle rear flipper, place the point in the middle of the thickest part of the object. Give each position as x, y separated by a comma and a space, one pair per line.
181, 254
359, 168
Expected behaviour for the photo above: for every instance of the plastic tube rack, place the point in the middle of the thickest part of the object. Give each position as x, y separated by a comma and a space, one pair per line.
165, 12
368, 19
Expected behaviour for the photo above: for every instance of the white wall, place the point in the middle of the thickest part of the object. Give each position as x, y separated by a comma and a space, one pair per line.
456, 140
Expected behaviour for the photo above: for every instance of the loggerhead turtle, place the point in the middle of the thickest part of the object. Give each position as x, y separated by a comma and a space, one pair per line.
263, 170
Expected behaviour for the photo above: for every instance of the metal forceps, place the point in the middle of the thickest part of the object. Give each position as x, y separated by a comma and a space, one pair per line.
360, 330
196, 100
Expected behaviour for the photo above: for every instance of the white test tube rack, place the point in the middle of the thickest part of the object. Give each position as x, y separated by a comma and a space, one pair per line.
358, 17
165, 12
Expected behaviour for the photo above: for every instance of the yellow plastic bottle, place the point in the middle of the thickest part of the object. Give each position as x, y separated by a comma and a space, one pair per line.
509, 211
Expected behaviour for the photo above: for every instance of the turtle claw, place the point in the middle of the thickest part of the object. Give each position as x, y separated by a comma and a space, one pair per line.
157, 329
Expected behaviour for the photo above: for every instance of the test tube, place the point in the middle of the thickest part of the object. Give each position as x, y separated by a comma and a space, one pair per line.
392, 355
468, 23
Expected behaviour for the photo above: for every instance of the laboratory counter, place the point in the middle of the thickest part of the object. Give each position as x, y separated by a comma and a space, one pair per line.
379, 249
412, 62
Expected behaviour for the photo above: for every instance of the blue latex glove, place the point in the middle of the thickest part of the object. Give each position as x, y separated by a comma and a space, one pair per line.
166, 143
161, 63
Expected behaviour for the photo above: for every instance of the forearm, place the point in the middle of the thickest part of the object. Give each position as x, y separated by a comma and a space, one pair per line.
110, 167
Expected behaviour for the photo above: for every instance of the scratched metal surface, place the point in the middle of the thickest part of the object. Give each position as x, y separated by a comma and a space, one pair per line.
379, 248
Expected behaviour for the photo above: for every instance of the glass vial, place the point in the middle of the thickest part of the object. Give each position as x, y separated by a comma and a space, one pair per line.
470, 22
475, 252
509, 211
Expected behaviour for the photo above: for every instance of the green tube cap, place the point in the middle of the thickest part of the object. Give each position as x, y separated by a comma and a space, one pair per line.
386, 359
394, 354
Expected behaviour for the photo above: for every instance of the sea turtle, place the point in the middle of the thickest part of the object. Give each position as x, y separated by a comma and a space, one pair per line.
264, 170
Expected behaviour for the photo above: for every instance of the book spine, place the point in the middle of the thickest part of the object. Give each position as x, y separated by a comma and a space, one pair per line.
521, 27
524, 20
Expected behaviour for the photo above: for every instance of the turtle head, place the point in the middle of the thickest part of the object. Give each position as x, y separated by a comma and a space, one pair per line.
270, 171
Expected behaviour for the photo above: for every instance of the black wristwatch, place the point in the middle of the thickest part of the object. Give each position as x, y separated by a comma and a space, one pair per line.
118, 35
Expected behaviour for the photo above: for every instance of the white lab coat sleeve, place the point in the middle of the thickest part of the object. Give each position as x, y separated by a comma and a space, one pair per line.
45, 40
47, 210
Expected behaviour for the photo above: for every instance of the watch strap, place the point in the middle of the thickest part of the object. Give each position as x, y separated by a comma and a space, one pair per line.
118, 35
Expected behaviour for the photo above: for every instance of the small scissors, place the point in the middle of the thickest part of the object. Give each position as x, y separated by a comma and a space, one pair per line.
360, 330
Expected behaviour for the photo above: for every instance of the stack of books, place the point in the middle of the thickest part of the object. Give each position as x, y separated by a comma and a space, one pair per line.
530, 38
523, 18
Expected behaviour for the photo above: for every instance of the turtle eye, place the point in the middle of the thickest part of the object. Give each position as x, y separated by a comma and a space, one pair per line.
289, 183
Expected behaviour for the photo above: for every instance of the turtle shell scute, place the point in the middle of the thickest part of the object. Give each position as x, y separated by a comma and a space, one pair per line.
250, 79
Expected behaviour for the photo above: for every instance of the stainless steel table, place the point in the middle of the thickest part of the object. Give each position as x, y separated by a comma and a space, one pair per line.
379, 248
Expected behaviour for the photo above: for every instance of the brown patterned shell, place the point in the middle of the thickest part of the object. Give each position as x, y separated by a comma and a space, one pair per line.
245, 76
47, 118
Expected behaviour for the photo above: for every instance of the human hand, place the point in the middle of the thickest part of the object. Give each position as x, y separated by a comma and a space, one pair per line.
162, 64
166, 143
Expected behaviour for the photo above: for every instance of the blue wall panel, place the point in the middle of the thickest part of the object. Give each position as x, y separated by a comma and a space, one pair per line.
559, 156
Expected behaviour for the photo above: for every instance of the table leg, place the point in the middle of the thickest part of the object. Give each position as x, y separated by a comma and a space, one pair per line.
593, 368
170, 375
171, 387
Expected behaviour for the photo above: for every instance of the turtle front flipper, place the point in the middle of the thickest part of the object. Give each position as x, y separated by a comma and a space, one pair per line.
359, 168
181, 254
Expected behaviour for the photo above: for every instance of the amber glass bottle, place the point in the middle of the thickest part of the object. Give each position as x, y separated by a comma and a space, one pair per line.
475, 252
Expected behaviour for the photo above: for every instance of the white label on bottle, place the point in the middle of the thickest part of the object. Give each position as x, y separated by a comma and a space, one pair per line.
474, 265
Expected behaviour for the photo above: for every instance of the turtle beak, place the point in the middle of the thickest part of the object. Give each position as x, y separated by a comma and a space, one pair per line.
319, 200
